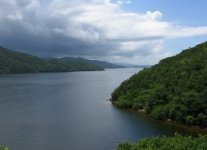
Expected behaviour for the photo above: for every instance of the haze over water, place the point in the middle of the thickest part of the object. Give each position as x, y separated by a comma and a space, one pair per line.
51, 111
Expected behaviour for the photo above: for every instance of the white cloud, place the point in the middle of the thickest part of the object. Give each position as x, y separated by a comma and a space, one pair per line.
97, 27
179, 32
154, 15
121, 2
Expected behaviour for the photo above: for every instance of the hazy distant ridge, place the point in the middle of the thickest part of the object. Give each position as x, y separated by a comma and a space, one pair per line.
16, 62
103, 64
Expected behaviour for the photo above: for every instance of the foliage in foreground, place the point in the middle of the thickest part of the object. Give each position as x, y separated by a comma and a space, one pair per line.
3, 148
175, 89
176, 142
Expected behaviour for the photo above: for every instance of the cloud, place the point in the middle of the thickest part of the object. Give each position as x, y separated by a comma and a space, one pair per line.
121, 2
180, 32
87, 28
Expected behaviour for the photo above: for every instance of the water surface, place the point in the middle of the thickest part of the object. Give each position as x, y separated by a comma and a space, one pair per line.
55, 111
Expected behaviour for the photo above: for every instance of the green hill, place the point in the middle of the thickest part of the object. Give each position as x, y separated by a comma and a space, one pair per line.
175, 88
16, 62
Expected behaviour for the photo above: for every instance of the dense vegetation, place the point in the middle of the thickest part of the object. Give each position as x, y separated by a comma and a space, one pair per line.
176, 142
175, 88
15, 62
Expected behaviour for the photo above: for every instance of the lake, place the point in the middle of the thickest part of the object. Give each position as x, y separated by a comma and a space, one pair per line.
62, 111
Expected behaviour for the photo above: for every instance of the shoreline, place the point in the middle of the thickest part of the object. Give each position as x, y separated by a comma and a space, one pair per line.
192, 130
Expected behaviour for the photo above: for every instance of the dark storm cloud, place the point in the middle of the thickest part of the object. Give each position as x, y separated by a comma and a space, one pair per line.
43, 34
30, 26
83, 28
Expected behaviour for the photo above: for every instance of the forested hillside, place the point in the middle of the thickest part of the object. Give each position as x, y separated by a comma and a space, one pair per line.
175, 88
15, 62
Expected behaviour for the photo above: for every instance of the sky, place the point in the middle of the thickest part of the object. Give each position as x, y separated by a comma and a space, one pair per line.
126, 31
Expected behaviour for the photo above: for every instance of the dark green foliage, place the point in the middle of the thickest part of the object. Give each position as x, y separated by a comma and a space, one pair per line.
176, 88
15, 62
176, 142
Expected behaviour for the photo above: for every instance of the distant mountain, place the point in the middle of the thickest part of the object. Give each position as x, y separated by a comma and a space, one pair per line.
16, 62
103, 64
175, 89
132, 65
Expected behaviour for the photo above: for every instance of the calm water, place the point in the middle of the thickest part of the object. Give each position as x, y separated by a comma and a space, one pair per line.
62, 111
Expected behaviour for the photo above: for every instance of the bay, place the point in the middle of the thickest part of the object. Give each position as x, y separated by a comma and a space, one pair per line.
54, 111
